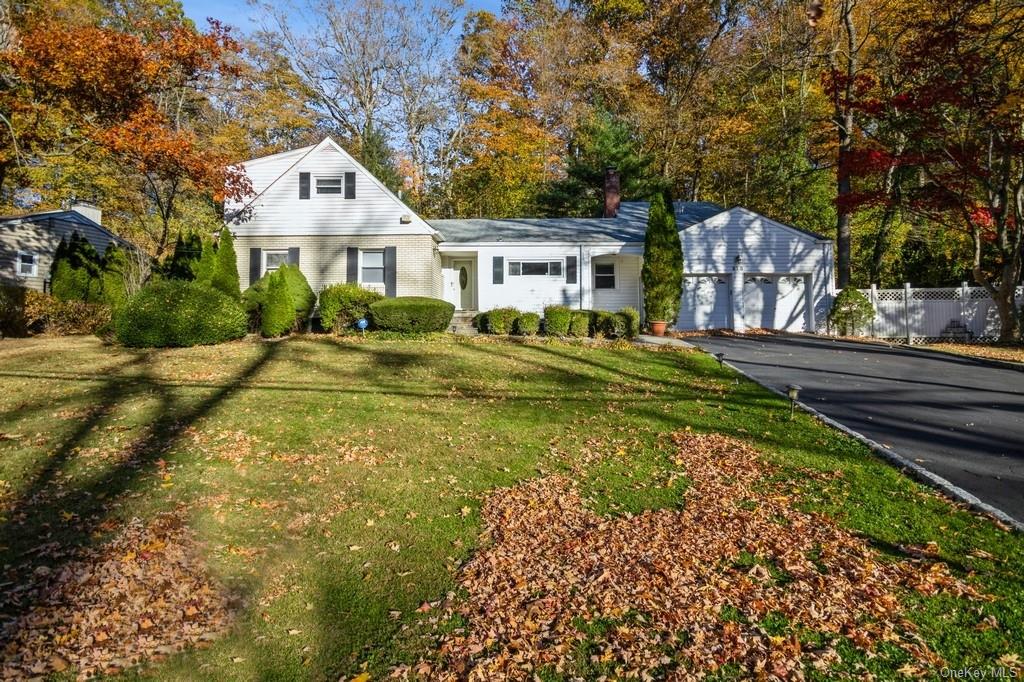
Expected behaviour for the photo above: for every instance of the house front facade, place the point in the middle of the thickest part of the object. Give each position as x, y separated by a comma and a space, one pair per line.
319, 208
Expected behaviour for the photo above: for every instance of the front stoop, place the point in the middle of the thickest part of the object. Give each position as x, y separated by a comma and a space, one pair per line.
462, 323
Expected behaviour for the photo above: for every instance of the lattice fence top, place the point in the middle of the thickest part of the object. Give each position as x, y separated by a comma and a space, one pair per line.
885, 294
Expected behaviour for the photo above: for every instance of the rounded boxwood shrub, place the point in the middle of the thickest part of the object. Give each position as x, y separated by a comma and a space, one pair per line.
341, 305
607, 325
527, 324
302, 296
556, 320
277, 313
851, 311
411, 314
630, 322
579, 323
179, 313
13, 321
500, 320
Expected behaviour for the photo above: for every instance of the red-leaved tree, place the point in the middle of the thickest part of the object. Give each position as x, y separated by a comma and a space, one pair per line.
959, 122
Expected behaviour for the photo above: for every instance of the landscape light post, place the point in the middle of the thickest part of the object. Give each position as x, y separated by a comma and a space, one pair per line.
793, 391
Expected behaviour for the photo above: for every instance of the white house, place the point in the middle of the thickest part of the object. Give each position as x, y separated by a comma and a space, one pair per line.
318, 207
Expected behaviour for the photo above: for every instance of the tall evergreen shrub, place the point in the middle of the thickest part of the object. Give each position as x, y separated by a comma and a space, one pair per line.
662, 273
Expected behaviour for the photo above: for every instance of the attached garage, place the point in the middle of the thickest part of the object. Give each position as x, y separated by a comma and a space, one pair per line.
746, 271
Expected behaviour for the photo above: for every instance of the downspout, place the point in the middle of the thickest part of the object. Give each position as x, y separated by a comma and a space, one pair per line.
580, 276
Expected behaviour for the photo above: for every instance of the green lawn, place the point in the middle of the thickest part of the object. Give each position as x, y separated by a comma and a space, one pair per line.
335, 486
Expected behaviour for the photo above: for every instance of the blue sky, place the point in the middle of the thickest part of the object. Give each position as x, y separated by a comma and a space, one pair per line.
238, 13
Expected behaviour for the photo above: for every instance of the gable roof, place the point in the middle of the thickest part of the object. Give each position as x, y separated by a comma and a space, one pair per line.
629, 226
64, 215
304, 152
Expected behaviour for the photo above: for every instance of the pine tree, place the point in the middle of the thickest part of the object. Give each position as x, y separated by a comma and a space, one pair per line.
75, 272
225, 271
377, 157
183, 262
602, 142
206, 267
662, 272
277, 316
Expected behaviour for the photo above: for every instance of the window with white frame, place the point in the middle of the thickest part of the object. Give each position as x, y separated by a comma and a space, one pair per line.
328, 185
28, 264
372, 269
535, 268
604, 275
272, 260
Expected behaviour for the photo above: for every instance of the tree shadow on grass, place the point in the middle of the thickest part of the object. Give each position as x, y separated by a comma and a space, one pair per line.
36, 535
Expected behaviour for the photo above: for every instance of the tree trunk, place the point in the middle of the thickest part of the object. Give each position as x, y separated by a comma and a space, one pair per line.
843, 120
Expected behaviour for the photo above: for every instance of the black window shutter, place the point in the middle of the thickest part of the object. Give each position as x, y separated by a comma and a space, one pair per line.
350, 185
570, 270
255, 264
498, 269
303, 185
353, 265
390, 271
293, 255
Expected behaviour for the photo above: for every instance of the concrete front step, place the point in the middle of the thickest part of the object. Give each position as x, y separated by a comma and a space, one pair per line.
462, 323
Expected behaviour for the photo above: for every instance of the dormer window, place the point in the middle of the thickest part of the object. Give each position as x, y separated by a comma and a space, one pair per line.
328, 185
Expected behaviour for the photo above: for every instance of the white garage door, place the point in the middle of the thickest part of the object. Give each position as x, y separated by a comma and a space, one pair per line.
705, 302
774, 302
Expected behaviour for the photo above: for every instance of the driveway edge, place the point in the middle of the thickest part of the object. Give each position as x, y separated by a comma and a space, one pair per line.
991, 362
912, 468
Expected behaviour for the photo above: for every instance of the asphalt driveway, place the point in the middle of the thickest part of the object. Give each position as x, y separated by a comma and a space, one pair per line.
957, 417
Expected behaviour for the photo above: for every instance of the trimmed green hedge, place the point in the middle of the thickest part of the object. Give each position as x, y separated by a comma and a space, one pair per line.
579, 323
499, 320
527, 324
606, 325
556, 320
179, 313
411, 314
630, 322
301, 294
342, 305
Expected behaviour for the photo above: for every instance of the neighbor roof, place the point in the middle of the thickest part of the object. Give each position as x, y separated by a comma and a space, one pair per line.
629, 226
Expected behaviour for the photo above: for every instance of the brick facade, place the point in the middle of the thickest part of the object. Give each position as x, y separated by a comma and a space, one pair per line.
323, 259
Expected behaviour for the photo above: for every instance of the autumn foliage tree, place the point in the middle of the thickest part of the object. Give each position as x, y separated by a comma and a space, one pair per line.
125, 96
960, 122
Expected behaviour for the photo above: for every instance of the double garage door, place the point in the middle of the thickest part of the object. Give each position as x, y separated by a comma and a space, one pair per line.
769, 302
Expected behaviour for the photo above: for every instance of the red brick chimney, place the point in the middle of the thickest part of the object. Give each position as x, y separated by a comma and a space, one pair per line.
612, 193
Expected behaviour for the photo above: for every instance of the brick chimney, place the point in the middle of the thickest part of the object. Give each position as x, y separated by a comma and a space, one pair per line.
612, 193
90, 211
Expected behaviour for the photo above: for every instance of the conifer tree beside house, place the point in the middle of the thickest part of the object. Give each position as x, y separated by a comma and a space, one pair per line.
183, 262
278, 312
206, 267
662, 273
225, 270
75, 273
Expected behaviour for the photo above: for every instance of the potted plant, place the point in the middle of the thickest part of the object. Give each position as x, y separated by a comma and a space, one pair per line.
662, 273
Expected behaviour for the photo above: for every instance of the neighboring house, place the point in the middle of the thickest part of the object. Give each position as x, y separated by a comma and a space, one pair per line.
319, 208
28, 242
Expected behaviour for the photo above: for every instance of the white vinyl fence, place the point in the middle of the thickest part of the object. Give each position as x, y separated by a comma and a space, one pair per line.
909, 315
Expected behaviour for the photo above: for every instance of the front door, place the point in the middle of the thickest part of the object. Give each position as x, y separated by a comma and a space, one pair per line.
464, 283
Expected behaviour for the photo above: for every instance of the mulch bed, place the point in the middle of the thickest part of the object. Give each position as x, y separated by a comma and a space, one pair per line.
1007, 353
142, 596
675, 593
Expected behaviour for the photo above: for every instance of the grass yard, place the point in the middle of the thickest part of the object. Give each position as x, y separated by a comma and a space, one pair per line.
330, 488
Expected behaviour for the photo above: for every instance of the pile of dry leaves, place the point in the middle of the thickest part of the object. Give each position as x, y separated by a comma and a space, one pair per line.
674, 593
143, 595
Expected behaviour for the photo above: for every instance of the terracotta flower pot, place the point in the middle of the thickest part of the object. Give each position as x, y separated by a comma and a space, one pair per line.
658, 328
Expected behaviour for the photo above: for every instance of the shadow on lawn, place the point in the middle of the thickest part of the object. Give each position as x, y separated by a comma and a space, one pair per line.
34, 532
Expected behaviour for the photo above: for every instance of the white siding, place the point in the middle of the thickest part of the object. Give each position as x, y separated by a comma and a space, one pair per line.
627, 284
277, 209
765, 247
527, 293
